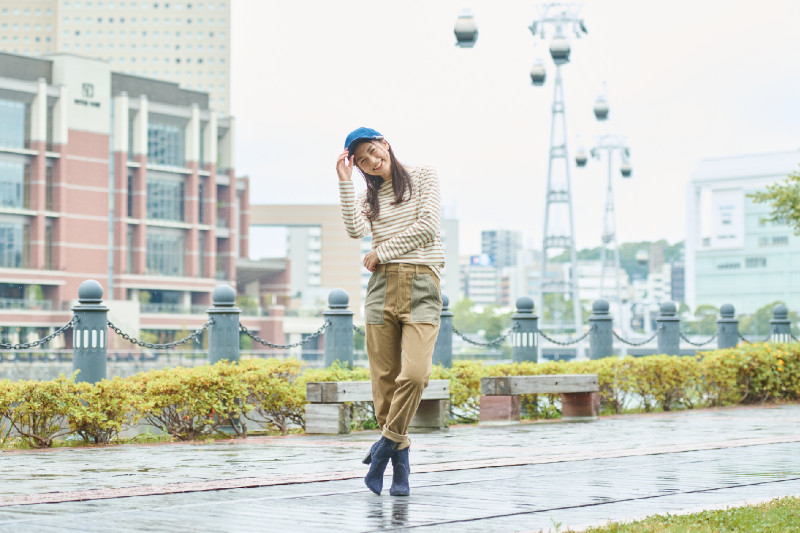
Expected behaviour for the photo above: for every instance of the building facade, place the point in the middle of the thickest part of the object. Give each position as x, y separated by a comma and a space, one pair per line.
125, 180
732, 254
502, 245
184, 42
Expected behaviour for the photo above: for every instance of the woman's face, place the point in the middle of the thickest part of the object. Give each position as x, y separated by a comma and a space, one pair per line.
373, 158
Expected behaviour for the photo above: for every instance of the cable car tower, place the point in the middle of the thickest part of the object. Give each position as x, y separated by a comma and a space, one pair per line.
559, 220
559, 223
610, 247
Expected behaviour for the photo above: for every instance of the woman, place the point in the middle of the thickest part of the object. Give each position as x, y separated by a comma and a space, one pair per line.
401, 209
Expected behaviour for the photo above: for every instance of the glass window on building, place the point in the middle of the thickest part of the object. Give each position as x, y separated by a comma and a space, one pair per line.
48, 244
13, 245
13, 123
131, 178
48, 186
129, 251
164, 199
14, 176
165, 144
201, 191
165, 253
201, 253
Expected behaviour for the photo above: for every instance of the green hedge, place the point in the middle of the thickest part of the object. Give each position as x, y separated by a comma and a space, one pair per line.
192, 403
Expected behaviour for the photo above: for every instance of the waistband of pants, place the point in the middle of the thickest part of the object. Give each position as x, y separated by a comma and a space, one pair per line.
404, 267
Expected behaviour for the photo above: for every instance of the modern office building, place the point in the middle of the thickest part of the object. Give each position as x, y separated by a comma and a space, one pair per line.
125, 180
451, 283
184, 42
502, 245
321, 255
480, 280
732, 254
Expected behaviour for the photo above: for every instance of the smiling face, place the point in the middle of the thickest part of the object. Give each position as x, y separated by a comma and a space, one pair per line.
372, 158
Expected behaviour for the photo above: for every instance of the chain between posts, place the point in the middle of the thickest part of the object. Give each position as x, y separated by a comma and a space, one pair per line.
284, 346
494, 342
26, 345
629, 343
155, 346
751, 342
685, 338
359, 331
567, 343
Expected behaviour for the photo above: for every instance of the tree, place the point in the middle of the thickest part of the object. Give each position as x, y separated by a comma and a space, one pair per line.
490, 320
757, 326
784, 199
705, 321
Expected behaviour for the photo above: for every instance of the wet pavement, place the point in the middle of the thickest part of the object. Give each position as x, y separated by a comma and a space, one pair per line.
523, 477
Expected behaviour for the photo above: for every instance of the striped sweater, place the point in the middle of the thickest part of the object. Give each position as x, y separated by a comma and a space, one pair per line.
403, 233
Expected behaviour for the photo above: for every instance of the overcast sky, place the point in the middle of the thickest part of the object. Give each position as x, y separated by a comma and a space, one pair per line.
686, 79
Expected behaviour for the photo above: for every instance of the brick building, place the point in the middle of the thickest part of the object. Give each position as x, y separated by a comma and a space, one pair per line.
122, 179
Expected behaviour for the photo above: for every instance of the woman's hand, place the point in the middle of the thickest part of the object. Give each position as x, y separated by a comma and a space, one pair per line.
344, 166
371, 261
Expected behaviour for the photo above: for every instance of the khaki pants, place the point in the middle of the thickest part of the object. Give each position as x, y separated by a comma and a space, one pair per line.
402, 313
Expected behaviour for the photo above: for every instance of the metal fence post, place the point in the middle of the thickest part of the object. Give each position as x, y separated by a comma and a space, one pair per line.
727, 327
443, 349
669, 334
223, 333
525, 338
90, 333
601, 343
339, 335
781, 325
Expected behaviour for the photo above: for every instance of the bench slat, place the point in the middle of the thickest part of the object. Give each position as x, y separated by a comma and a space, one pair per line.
545, 384
361, 391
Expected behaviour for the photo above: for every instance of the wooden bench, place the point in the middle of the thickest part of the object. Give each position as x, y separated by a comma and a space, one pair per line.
500, 396
326, 411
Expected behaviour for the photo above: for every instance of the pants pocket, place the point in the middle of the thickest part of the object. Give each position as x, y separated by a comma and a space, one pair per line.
376, 298
426, 300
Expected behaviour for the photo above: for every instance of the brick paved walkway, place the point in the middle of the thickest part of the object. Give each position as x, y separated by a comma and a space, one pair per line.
525, 477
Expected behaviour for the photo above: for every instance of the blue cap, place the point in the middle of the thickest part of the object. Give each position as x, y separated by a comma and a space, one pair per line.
360, 134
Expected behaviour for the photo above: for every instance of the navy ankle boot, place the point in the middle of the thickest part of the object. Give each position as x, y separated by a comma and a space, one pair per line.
402, 469
378, 458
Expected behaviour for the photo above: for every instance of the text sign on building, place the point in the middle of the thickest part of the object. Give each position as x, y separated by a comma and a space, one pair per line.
727, 218
88, 83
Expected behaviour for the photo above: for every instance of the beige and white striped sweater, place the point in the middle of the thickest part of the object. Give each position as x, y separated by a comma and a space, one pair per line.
403, 233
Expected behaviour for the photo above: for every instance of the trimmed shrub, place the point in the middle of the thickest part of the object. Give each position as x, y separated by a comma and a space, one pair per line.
38, 412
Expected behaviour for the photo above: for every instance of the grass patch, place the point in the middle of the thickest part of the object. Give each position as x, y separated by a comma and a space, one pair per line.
775, 515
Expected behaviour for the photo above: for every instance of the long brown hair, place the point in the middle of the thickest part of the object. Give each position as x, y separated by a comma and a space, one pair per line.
401, 182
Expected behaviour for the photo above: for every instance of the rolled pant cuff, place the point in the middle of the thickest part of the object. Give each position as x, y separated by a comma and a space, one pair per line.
402, 440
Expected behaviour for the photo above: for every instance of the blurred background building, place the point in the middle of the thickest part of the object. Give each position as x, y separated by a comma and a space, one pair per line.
732, 254
184, 42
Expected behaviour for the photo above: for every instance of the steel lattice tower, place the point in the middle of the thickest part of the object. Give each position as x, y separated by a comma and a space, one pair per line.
559, 221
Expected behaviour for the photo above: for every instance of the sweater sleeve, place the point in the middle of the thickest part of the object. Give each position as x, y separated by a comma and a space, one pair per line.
424, 229
355, 223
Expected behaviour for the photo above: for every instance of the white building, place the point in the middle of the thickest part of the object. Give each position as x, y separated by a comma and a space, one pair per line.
451, 283
183, 42
732, 255
479, 281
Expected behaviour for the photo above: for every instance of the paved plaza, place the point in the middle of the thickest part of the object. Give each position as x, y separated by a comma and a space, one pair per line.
521, 477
